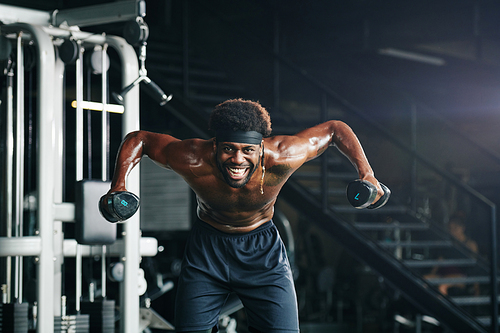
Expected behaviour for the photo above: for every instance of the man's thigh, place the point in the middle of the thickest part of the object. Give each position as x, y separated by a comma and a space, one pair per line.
273, 306
198, 304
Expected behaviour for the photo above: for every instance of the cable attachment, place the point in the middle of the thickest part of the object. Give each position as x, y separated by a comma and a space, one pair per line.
136, 33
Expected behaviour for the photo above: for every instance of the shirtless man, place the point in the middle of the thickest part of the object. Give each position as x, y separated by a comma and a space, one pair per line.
237, 176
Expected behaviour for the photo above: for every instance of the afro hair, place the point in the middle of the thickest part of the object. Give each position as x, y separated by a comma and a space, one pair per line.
239, 114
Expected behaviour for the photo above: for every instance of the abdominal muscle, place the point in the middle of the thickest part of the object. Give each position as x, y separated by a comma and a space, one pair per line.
235, 222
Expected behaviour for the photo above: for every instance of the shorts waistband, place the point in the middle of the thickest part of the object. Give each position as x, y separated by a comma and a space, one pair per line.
208, 228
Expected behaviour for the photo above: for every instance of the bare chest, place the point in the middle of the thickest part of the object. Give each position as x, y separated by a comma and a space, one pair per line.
223, 198
224, 205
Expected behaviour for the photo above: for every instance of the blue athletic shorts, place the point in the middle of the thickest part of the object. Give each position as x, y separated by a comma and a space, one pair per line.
254, 265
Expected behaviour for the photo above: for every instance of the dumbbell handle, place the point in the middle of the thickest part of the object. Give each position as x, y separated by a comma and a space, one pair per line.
383, 199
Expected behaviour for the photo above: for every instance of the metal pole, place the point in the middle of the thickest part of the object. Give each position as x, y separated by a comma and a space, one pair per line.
10, 174
79, 159
103, 270
79, 113
58, 165
19, 164
104, 115
78, 259
45, 178
129, 300
104, 147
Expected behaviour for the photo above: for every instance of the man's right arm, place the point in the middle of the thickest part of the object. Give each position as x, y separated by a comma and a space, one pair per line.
133, 147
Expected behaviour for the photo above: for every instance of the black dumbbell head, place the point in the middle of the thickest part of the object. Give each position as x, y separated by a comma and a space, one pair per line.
118, 206
361, 193
123, 204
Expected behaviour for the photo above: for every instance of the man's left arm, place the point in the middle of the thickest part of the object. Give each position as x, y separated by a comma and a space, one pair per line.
339, 134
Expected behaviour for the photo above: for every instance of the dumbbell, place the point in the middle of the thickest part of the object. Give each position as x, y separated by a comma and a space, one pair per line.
362, 193
118, 206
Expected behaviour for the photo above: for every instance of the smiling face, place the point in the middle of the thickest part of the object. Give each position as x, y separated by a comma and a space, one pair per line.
237, 161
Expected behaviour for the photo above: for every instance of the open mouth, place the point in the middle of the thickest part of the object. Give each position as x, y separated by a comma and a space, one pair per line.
237, 173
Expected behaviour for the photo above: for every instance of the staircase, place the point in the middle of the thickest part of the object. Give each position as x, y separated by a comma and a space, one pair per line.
398, 242
417, 243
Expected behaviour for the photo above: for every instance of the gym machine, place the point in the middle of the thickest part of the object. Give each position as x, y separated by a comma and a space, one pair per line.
35, 150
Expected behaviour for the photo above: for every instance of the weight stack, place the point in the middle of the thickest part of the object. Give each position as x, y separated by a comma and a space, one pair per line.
102, 315
74, 323
14, 317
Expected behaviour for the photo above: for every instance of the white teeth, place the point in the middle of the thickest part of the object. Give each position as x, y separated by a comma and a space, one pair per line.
237, 172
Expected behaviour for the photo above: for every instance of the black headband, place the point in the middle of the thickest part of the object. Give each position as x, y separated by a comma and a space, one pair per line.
239, 136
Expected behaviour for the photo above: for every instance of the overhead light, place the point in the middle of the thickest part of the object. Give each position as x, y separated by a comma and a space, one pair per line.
412, 56
114, 108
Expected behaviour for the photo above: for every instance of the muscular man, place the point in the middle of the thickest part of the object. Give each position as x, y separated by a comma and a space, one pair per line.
234, 246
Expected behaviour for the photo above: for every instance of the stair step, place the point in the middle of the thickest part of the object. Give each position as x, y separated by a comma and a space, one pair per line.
418, 244
388, 209
472, 300
384, 226
485, 320
440, 263
464, 280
